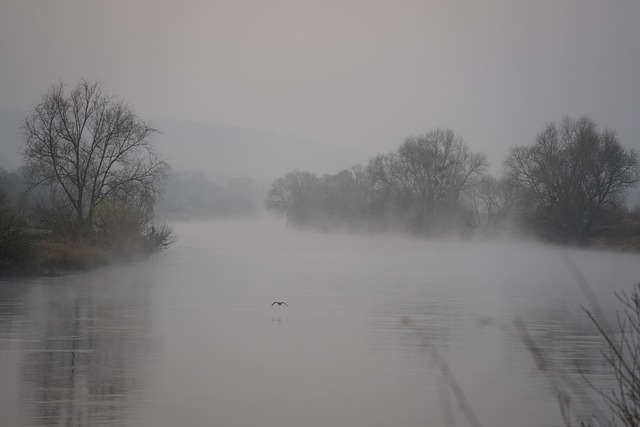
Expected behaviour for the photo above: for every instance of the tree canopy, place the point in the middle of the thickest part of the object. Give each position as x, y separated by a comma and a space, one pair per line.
89, 147
428, 175
573, 179
422, 186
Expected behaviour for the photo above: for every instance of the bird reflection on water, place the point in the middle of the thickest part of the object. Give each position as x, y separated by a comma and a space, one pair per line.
279, 303
277, 320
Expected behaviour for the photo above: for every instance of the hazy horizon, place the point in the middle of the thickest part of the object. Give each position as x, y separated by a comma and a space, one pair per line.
353, 77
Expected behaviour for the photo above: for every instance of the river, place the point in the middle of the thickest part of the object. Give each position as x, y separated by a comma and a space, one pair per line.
378, 331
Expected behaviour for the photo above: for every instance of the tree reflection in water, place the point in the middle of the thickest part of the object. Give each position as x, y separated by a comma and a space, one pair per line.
88, 339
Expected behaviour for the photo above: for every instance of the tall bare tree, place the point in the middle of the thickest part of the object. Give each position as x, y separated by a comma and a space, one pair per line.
574, 178
89, 147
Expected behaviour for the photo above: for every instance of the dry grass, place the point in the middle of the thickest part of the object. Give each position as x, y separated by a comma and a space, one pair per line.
624, 235
68, 254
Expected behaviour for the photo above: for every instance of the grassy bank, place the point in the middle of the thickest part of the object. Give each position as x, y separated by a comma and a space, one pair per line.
623, 236
36, 253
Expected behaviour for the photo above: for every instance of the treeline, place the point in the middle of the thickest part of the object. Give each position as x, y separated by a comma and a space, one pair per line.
569, 186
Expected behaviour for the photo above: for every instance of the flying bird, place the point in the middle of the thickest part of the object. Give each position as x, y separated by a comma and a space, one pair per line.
279, 303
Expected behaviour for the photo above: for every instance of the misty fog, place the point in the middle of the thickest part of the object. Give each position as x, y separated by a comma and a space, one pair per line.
190, 336
352, 213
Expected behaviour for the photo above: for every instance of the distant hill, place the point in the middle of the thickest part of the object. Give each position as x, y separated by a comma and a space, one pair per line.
217, 150
234, 151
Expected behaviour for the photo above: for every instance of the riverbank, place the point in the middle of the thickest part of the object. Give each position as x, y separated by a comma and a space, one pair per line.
44, 254
623, 236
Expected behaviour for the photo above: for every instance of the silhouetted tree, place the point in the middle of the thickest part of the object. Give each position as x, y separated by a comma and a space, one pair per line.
574, 179
327, 202
495, 201
296, 195
89, 147
347, 196
427, 176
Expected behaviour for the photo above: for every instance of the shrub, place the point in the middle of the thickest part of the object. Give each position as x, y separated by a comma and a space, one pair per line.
15, 244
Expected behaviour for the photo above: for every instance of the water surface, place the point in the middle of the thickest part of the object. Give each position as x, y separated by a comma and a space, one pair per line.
378, 332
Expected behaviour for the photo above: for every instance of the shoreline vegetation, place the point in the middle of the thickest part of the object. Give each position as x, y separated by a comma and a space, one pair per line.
26, 252
91, 180
86, 193
569, 187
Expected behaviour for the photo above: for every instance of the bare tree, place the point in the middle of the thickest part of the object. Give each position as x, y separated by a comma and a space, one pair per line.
295, 195
495, 201
279, 198
347, 194
574, 178
428, 173
88, 147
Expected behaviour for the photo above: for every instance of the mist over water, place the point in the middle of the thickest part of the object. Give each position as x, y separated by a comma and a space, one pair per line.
189, 337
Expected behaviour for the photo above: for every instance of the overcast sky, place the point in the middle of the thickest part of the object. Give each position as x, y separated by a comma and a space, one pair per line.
363, 74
